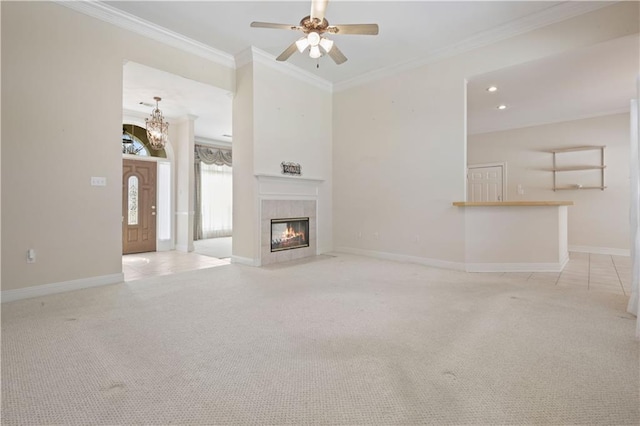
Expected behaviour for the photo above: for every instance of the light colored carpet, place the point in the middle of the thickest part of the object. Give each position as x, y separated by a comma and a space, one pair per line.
333, 340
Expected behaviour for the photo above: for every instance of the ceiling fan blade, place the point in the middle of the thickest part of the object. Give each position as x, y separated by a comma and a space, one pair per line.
274, 26
366, 29
288, 52
318, 8
337, 55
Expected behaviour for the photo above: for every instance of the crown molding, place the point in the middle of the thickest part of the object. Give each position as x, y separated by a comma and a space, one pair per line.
112, 15
244, 58
552, 15
109, 14
253, 54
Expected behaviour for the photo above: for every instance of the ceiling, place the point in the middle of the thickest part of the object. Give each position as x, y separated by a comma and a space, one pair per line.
545, 91
408, 30
180, 97
597, 80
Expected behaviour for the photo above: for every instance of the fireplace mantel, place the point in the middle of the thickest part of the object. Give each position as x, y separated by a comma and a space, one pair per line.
282, 197
266, 176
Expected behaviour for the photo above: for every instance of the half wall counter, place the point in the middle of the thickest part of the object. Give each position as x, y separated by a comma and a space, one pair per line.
515, 236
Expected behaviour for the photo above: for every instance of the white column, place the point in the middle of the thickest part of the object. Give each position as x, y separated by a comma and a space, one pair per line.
184, 183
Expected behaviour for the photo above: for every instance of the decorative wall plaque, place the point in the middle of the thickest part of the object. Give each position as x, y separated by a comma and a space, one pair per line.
291, 169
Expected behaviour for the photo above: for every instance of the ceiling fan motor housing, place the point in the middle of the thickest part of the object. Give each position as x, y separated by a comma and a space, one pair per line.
309, 25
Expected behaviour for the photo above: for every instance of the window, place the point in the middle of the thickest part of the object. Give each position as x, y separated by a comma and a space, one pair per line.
135, 142
132, 196
217, 200
133, 146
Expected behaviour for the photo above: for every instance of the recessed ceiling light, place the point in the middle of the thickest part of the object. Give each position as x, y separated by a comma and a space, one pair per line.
492, 89
502, 106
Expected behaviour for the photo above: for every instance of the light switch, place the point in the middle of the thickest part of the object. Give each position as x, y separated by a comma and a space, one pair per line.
98, 181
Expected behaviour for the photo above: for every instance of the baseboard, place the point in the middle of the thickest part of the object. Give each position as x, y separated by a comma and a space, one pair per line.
244, 261
185, 248
60, 287
601, 250
164, 245
437, 263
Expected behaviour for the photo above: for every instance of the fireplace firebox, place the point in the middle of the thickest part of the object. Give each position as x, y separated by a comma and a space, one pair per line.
290, 233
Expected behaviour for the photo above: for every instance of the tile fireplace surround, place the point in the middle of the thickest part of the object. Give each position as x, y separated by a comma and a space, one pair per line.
284, 209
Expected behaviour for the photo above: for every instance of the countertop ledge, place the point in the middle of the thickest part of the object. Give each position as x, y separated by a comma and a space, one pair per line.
511, 203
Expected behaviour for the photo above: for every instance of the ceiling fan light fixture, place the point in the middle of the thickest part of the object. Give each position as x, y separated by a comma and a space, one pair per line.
302, 44
313, 38
314, 52
326, 44
313, 27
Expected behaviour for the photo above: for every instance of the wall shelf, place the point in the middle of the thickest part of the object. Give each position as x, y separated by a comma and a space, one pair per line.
576, 186
573, 168
560, 188
578, 148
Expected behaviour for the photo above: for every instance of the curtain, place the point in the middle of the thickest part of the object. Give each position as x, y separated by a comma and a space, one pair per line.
210, 155
213, 193
197, 200
634, 213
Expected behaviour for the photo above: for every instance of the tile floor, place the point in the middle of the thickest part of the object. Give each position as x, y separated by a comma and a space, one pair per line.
145, 265
596, 272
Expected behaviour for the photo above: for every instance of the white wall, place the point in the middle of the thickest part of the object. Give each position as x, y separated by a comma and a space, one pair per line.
277, 117
0, 154
599, 219
399, 143
293, 123
244, 185
62, 123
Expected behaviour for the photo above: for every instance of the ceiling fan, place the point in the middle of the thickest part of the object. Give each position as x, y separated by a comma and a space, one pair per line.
314, 27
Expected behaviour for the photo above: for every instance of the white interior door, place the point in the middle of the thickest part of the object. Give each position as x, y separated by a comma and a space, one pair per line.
484, 183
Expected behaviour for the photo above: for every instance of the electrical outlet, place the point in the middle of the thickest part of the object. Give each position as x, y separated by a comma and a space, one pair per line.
31, 256
520, 189
98, 181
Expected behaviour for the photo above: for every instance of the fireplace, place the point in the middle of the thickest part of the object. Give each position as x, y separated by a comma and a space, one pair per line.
274, 216
290, 233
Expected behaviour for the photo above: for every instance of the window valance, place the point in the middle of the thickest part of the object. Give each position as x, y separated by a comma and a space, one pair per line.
212, 155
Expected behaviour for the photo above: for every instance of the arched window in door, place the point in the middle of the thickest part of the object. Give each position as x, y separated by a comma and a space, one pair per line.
135, 142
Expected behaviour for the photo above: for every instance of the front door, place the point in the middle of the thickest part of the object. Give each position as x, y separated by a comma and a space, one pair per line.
485, 184
138, 206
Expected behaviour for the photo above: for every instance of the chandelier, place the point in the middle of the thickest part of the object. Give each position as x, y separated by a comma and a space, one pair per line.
157, 128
